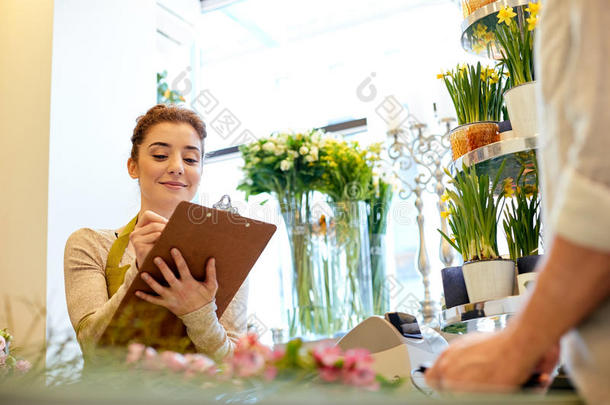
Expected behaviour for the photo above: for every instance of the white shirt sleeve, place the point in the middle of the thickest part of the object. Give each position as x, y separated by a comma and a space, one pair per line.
574, 71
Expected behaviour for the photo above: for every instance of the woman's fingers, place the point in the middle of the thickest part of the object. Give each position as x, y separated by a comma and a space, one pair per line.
155, 227
183, 268
149, 216
158, 288
151, 298
210, 275
148, 238
166, 271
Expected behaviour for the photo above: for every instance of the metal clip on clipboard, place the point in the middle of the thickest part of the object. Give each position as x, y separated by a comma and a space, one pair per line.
225, 204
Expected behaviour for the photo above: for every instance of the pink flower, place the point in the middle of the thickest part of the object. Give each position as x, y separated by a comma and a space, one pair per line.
277, 354
174, 361
248, 363
151, 359
270, 373
330, 374
2, 359
134, 352
2, 344
23, 366
327, 356
357, 359
198, 363
250, 343
359, 377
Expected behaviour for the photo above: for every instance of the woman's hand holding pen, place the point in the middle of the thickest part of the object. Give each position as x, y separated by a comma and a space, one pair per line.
145, 234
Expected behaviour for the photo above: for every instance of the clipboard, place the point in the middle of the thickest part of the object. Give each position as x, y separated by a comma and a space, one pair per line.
199, 233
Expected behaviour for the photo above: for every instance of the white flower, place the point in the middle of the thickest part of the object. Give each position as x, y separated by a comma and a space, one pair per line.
310, 158
314, 152
279, 150
286, 165
303, 150
293, 154
269, 146
2, 344
255, 148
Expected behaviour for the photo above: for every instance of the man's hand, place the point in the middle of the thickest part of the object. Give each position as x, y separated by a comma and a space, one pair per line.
487, 362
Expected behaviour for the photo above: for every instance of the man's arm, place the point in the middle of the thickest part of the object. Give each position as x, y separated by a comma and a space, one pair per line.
573, 281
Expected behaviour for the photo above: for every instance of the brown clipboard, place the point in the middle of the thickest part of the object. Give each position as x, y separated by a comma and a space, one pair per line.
200, 233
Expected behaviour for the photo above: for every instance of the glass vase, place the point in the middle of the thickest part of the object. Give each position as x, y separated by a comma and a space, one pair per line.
310, 287
329, 283
381, 294
350, 254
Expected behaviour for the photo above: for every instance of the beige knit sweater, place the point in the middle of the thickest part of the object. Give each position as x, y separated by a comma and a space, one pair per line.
90, 309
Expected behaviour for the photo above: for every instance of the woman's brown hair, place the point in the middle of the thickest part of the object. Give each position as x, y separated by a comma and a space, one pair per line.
164, 113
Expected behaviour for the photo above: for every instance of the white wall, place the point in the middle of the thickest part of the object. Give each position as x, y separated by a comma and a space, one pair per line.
103, 78
25, 86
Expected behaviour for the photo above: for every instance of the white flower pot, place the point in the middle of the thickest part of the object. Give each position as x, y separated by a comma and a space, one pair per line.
489, 279
522, 109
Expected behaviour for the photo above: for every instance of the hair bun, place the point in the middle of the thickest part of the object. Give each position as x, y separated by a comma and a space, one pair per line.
165, 113
155, 108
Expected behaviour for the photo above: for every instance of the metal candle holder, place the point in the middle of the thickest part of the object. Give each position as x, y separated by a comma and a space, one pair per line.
411, 147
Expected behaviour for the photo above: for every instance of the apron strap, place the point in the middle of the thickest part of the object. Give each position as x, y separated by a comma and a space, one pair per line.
115, 275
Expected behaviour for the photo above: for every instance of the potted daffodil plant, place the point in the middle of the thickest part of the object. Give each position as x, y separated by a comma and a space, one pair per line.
476, 92
516, 42
473, 212
522, 214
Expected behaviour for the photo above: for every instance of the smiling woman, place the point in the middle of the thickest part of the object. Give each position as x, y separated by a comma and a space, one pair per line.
100, 265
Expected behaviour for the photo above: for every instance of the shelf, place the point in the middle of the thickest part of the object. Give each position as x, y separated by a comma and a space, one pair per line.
496, 150
486, 15
485, 316
489, 158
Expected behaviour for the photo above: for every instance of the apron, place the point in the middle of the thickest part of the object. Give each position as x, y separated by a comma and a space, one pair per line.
115, 275
160, 331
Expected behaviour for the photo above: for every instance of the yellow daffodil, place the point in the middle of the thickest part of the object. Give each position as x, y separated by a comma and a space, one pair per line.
480, 30
494, 77
532, 21
444, 214
445, 197
509, 192
533, 8
506, 15
453, 239
478, 47
166, 93
529, 189
440, 75
488, 37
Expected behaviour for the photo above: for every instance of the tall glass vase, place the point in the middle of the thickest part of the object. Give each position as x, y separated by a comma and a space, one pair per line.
349, 253
328, 287
312, 296
381, 295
